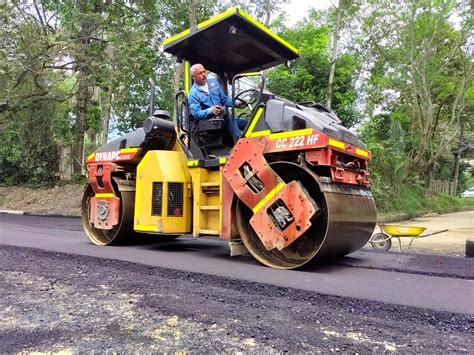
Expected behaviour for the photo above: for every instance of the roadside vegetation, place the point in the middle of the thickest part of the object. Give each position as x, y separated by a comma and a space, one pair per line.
76, 73
414, 201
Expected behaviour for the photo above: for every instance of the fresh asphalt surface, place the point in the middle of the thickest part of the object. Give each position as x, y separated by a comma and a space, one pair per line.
434, 282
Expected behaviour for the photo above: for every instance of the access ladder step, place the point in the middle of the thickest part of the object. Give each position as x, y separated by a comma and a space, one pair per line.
211, 184
210, 208
211, 187
209, 231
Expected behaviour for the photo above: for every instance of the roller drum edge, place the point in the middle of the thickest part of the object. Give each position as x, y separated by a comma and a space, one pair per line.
351, 221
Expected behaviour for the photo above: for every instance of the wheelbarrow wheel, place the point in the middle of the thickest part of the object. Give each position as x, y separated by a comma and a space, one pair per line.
381, 242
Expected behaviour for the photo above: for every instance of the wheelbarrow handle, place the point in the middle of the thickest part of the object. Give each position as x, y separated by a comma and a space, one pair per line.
430, 234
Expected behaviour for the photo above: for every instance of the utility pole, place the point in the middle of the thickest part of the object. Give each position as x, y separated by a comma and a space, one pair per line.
334, 54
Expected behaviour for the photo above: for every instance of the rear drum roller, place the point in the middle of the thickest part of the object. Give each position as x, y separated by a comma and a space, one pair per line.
343, 224
120, 232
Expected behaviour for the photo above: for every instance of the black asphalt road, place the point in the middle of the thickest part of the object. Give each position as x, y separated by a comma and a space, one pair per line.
434, 282
63, 303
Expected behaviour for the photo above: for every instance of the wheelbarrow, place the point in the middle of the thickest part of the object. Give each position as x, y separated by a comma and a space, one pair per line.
383, 240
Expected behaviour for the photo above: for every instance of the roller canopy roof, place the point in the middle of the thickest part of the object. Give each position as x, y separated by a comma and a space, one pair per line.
232, 43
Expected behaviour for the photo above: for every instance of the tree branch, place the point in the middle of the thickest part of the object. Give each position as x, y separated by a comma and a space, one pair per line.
62, 66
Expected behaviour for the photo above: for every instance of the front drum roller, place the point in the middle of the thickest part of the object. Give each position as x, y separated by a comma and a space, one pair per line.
121, 231
343, 224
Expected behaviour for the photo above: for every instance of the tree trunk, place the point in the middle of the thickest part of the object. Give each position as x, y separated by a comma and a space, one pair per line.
94, 137
82, 56
334, 55
110, 83
107, 109
268, 12
458, 159
64, 162
192, 13
82, 100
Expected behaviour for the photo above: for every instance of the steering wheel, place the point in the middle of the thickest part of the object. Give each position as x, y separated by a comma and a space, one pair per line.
249, 97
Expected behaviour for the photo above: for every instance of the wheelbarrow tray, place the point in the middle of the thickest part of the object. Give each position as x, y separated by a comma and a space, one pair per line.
396, 230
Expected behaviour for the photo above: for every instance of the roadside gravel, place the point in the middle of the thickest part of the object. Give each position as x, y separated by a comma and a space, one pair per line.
51, 302
58, 200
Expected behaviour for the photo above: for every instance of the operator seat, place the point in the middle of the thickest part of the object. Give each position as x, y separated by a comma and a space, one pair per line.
209, 137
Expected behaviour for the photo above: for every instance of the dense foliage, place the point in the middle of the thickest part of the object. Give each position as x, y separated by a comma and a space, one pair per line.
306, 78
420, 93
76, 73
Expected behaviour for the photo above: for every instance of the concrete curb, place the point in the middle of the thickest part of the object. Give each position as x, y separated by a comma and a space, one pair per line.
393, 218
464, 208
20, 213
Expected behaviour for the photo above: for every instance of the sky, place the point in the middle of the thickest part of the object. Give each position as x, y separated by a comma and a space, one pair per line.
296, 10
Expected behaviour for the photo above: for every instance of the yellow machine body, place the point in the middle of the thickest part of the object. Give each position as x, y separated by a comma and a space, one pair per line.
163, 193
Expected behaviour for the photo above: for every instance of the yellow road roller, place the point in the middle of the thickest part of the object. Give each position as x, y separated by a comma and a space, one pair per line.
293, 189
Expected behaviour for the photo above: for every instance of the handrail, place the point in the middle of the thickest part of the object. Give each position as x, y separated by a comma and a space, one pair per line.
182, 125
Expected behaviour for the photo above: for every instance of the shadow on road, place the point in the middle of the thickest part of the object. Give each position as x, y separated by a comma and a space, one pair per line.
214, 248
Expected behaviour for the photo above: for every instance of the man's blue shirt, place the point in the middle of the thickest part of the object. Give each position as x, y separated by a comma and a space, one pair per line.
201, 102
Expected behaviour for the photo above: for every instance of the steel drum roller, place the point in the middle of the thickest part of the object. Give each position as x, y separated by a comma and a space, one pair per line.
344, 223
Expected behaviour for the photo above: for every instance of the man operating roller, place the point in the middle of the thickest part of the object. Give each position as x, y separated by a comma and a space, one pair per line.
206, 99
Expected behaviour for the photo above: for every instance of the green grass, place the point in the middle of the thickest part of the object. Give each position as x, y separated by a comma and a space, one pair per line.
466, 201
415, 201
2, 200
